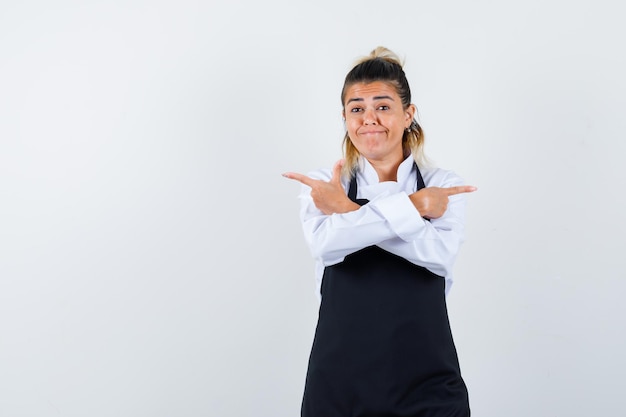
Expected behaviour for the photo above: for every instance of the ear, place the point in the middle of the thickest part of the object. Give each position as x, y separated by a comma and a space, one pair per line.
410, 114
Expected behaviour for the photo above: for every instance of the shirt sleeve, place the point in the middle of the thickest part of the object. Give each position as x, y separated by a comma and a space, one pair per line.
391, 222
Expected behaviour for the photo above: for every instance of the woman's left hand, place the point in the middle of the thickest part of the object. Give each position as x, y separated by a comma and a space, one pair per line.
432, 202
329, 197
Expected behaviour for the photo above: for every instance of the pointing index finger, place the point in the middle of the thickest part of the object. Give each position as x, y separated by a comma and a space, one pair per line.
300, 177
460, 189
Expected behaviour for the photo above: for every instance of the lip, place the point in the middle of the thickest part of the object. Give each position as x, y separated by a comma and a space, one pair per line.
370, 132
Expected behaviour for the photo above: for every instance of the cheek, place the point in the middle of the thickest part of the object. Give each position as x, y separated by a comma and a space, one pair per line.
352, 127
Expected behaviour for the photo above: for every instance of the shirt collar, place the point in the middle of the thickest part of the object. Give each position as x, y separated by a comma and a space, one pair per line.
370, 176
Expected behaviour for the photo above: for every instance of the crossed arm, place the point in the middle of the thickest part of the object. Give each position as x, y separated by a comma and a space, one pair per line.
330, 197
334, 226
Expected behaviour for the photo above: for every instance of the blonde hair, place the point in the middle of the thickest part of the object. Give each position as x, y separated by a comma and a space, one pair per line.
382, 65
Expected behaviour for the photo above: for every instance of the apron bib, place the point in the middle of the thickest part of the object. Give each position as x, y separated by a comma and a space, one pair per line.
383, 345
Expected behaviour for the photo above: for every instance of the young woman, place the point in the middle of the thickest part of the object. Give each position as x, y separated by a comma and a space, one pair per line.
385, 231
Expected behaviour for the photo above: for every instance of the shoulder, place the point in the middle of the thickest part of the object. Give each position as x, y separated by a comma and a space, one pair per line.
440, 177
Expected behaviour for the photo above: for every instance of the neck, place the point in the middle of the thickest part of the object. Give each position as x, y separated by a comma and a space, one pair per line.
386, 170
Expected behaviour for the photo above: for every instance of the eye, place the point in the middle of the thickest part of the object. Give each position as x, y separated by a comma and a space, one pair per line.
383, 107
355, 110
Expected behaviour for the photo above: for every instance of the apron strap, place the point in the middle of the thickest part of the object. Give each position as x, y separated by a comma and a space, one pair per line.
419, 184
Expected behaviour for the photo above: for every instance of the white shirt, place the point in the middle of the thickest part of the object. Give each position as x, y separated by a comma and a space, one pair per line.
389, 221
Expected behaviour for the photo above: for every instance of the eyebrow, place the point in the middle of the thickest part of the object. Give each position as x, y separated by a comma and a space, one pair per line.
375, 98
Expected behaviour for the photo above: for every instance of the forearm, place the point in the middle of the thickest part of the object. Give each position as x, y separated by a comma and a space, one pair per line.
437, 253
332, 237
436, 245
392, 223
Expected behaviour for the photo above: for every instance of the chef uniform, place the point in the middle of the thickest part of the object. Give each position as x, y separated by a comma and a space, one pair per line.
383, 345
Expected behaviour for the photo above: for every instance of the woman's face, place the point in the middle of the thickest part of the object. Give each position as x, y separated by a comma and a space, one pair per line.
376, 121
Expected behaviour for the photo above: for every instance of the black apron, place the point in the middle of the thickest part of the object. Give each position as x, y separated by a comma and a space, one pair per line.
383, 346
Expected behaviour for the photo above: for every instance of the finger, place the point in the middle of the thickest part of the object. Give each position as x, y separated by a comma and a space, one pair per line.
336, 178
460, 189
300, 177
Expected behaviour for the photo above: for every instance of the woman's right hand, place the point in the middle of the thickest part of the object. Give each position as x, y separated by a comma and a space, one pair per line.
329, 197
432, 202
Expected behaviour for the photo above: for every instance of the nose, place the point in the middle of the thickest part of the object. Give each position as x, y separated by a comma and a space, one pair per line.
369, 117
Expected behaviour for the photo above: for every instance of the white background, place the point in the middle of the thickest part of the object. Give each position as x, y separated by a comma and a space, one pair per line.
151, 257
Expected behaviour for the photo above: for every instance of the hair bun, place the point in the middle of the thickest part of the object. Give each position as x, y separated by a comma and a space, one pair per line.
386, 54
